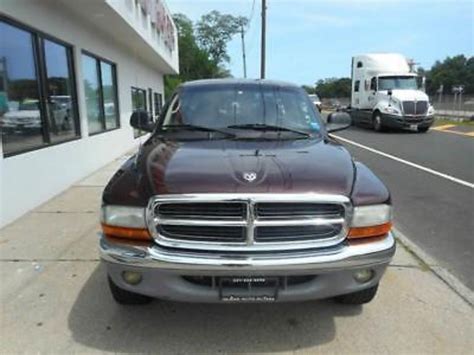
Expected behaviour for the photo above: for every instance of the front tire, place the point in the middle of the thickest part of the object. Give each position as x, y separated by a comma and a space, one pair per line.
377, 122
423, 129
359, 297
125, 297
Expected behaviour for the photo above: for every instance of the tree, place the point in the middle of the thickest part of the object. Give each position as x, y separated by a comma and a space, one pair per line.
309, 89
457, 70
334, 87
215, 30
205, 56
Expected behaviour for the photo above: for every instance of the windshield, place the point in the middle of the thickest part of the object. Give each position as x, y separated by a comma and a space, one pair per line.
398, 83
314, 97
227, 106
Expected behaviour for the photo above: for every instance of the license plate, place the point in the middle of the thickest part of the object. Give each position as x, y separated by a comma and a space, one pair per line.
413, 127
248, 289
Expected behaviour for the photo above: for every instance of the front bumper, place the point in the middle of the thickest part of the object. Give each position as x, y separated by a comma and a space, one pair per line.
404, 122
163, 269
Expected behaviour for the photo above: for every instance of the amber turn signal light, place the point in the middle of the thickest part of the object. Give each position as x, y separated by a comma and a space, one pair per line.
124, 232
367, 232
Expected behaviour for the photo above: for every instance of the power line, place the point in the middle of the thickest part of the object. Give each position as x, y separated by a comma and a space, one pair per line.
250, 17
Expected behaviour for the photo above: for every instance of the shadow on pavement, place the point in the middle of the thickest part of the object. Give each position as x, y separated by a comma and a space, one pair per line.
97, 321
390, 131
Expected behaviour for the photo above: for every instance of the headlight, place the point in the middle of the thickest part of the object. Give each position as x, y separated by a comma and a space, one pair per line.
370, 221
124, 222
392, 110
431, 110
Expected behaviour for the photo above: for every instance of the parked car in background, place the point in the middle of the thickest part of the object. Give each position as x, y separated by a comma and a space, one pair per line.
23, 117
385, 94
240, 195
316, 101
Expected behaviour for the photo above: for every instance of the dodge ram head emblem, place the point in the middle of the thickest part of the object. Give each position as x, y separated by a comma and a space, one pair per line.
250, 176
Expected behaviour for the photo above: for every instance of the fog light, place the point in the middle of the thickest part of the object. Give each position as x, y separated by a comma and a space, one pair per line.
364, 275
132, 277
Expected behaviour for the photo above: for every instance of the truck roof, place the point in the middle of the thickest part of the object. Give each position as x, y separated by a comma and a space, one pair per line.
383, 62
233, 81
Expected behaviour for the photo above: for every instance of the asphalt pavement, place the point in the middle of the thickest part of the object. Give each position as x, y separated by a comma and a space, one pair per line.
431, 178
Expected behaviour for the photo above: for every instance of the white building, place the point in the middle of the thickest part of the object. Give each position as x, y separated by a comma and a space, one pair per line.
71, 73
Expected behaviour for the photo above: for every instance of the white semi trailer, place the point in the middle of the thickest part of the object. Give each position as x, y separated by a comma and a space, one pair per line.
386, 94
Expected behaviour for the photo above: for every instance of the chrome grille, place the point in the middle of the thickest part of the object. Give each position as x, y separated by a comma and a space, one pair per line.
284, 210
213, 210
415, 107
248, 222
292, 233
204, 233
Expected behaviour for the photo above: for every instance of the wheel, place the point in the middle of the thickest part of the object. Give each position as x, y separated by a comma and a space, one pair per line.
359, 297
377, 122
423, 129
126, 297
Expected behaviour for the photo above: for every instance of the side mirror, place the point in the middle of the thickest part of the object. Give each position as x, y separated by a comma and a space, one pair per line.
423, 84
141, 120
389, 92
338, 121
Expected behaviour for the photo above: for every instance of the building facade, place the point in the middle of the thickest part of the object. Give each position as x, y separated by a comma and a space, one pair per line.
71, 74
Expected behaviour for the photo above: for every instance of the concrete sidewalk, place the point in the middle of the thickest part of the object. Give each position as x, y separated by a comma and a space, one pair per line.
55, 299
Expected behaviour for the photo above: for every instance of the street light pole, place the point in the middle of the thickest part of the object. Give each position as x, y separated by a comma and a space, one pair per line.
243, 49
262, 55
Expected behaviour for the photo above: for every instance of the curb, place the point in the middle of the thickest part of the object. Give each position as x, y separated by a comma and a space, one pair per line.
444, 275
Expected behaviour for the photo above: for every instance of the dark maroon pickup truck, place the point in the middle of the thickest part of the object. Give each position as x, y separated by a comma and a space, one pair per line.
240, 195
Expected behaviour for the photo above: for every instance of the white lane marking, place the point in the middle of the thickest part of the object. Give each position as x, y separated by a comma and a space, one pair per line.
409, 163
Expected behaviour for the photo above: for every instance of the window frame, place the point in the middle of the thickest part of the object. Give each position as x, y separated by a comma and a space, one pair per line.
356, 85
98, 59
37, 45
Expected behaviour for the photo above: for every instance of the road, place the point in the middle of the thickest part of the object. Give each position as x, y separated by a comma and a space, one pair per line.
432, 189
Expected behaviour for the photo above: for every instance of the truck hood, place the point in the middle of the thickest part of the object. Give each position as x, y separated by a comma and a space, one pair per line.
408, 95
227, 166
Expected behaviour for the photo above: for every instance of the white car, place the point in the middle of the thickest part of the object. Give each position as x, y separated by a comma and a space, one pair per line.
27, 118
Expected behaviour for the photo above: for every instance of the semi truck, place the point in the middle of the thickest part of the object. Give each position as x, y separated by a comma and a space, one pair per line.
387, 94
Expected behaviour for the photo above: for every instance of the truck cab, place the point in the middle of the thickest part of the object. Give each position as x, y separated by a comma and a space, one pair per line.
386, 94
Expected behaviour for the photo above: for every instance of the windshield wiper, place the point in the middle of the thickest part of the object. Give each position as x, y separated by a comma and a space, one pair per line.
266, 127
190, 127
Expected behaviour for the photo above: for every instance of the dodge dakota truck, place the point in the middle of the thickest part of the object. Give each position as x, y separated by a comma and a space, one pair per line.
240, 195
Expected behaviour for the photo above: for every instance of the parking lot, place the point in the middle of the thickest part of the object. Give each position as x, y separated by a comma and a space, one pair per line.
55, 298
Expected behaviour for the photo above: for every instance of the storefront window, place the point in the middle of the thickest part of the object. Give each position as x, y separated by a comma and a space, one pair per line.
100, 88
138, 103
61, 109
158, 103
92, 93
20, 116
109, 89
34, 112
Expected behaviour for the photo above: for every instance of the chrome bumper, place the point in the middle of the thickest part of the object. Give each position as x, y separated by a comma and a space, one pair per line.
343, 256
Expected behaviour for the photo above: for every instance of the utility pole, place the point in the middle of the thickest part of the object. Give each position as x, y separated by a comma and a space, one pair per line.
262, 55
242, 34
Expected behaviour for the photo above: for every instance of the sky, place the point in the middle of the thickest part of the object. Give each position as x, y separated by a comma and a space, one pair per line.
308, 40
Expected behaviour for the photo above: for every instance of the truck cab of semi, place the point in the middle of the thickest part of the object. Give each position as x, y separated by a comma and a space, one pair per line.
386, 94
